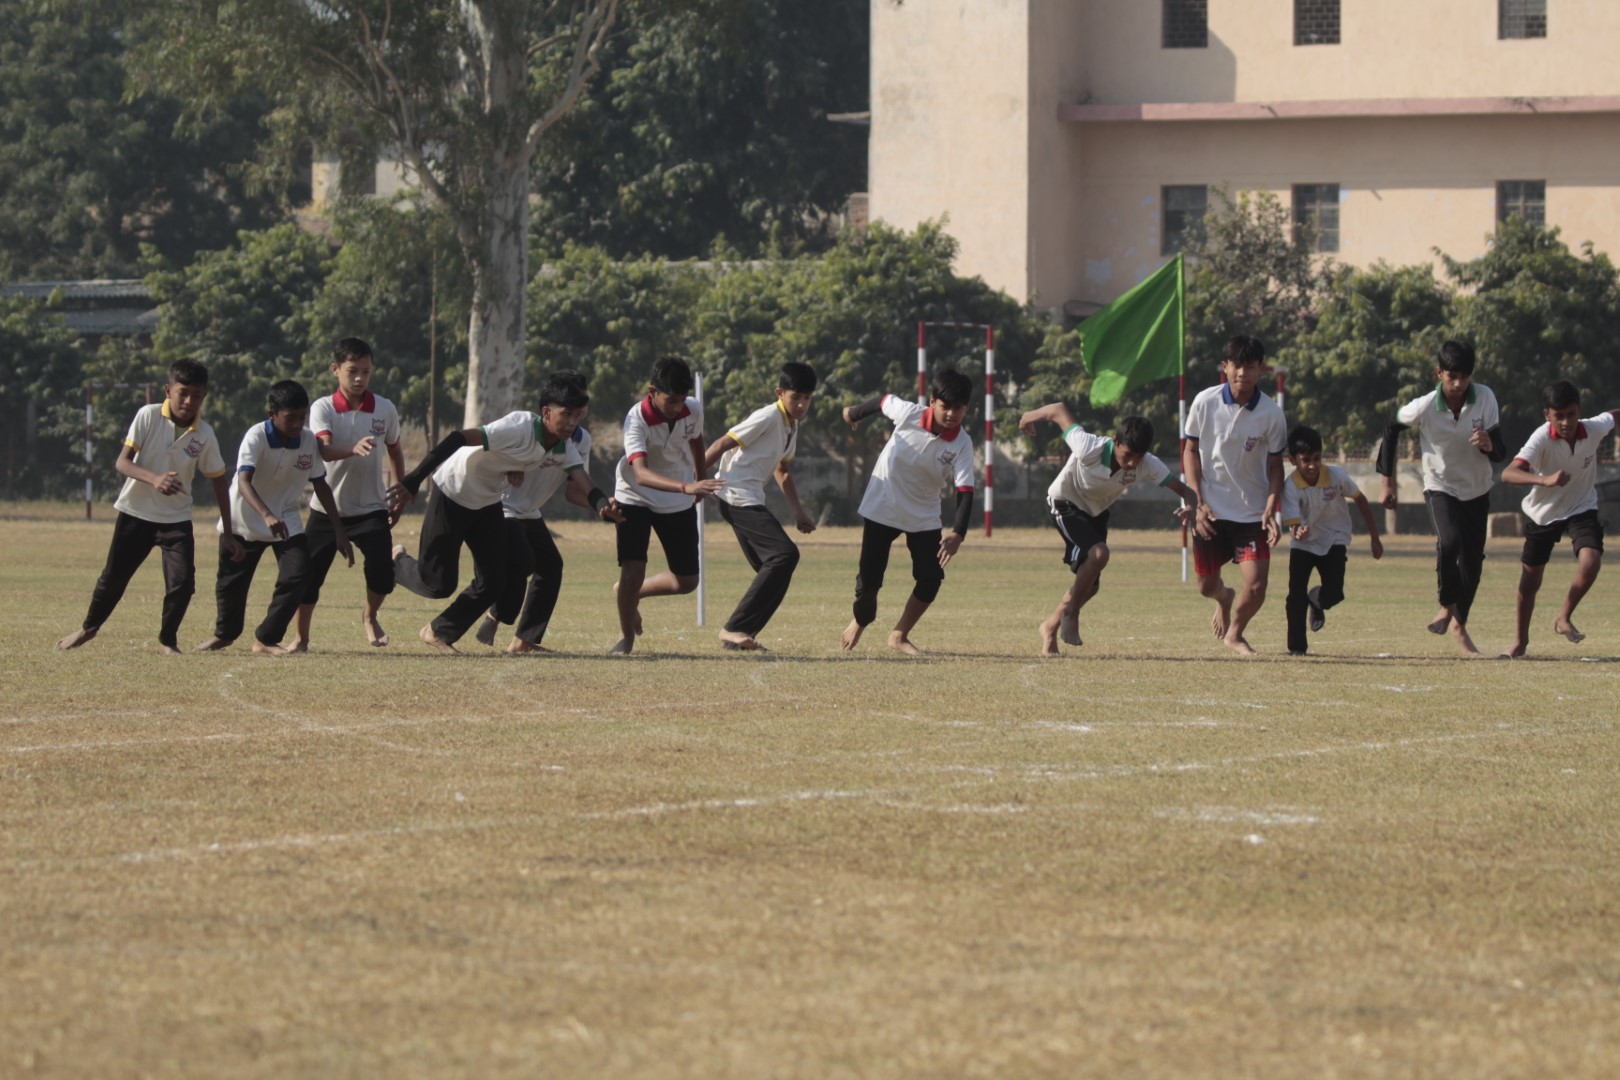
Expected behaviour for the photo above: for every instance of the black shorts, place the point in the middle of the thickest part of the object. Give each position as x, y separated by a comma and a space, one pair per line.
1585, 531
677, 533
1080, 531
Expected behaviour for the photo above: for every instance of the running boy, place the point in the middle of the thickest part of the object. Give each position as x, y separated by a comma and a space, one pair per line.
929, 452
657, 488
1081, 497
1459, 433
1559, 462
1318, 521
757, 449
274, 463
1232, 461
469, 468
167, 443
348, 425
521, 499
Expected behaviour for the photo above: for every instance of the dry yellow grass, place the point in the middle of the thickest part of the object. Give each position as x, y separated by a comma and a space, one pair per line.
1147, 858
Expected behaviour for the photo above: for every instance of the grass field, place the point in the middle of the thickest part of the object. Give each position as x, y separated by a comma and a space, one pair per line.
1147, 858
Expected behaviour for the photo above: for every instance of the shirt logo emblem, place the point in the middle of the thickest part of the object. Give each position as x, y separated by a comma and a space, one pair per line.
194, 448
379, 427
1329, 494
946, 457
1127, 476
1248, 444
1587, 464
305, 461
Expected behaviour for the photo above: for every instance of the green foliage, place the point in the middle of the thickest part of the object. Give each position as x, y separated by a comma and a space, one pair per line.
40, 368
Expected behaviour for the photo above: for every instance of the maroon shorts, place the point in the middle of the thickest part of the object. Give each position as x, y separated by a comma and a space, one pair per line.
1234, 541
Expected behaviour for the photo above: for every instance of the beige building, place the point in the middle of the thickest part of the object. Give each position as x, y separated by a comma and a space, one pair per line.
1070, 142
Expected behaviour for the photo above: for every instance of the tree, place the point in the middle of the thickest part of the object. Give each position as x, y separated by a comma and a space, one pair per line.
40, 368
87, 177
462, 90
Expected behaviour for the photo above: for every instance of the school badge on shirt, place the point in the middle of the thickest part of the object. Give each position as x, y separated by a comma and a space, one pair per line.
194, 447
946, 457
379, 427
305, 461
1248, 444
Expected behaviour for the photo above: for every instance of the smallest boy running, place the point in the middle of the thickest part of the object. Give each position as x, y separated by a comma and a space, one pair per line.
1559, 462
1314, 512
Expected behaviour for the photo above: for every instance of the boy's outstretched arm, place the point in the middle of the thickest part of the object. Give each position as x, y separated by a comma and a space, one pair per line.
1274, 474
323, 492
1188, 512
1192, 475
396, 461
582, 491
408, 485
222, 496
854, 414
1388, 447
784, 480
1372, 526
715, 450
332, 452
1519, 473
1057, 412
166, 483
645, 477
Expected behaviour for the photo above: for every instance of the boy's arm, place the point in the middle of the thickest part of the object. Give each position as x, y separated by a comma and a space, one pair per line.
323, 492
1519, 473
1192, 475
1187, 495
222, 496
396, 460
1372, 526
1274, 475
409, 484
784, 480
582, 491
854, 414
1388, 447
1057, 412
166, 483
277, 527
717, 448
332, 452
645, 477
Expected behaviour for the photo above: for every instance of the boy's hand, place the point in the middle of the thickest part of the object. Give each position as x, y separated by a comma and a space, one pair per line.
610, 511
277, 527
364, 447
1204, 523
1481, 439
1388, 498
1027, 422
515, 477
852, 422
234, 547
399, 496
1557, 479
947, 547
1377, 548
1301, 532
1273, 531
1185, 514
346, 549
704, 488
168, 483
802, 521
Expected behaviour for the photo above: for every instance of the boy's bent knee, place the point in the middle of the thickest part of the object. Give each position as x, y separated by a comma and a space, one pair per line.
686, 584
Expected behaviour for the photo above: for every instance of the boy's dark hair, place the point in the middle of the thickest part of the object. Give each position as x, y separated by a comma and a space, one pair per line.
951, 386
188, 372
1243, 350
350, 348
564, 389
1457, 357
671, 375
286, 394
1304, 440
1560, 395
797, 377
1135, 433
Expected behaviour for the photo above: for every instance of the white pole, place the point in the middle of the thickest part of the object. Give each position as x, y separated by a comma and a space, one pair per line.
89, 434
1181, 414
697, 469
922, 365
989, 428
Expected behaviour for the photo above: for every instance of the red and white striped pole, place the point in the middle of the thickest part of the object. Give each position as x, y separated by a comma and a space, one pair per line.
989, 426
1281, 371
922, 364
89, 434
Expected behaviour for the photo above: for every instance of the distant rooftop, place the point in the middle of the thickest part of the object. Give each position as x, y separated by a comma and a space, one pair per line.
94, 289
95, 308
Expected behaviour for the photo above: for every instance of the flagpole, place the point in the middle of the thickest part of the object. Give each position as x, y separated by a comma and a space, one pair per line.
1181, 393
697, 504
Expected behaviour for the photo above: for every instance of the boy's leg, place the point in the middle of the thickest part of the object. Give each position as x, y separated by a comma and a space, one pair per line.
373, 536
1475, 520
1208, 558
179, 546
1586, 533
545, 585
1296, 604
437, 568
231, 586
132, 540
292, 581
677, 535
773, 556
1331, 566
321, 543
1524, 607
1454, 531
489, 541
1253, 557
927, 575
633, 536
1084, 552
875, 542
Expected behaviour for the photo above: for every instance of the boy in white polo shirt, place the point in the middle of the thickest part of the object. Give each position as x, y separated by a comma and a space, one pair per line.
929, 453
349, 427
1232, 460
1559, 462
167, 444
274, 463
1459, 433
1316, 513
469, 470
657, 488
1099, 471
754, 451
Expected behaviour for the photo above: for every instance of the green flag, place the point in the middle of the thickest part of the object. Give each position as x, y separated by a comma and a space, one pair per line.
1138, 338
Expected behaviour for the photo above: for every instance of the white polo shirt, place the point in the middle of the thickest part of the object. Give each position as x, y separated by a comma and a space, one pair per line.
161, 447
1451, 464
666, 446
764, 440
1090, 480
1325, 507
357, 482
474, 476
279, 470
916, 469
523, 500
1545, 453
1234, 443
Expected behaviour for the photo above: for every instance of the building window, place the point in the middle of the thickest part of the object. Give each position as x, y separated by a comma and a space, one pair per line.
1186, 24
1517, 19
1522, 198
1316, 22
1184, 206
1316, 216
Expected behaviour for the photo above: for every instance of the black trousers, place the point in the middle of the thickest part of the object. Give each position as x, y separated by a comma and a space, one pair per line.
235, 578
446, 527
133, 539
367, 532
1301, 564
925, 569
773, 556
1459, 544
531, 545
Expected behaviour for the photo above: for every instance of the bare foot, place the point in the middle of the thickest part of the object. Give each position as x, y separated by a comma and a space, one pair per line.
399, 549
1459, 634
1049, 638
268, 650
487, 630
298, 646
732, 639
1440, 623
1069, 630
168, 650
77, 638
1222, 618
851, 635
1518, 650
638, 610
622, 647
1566, 629
1239, 645
375, 634
214, 644
519, 647
900, 643
432, 641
